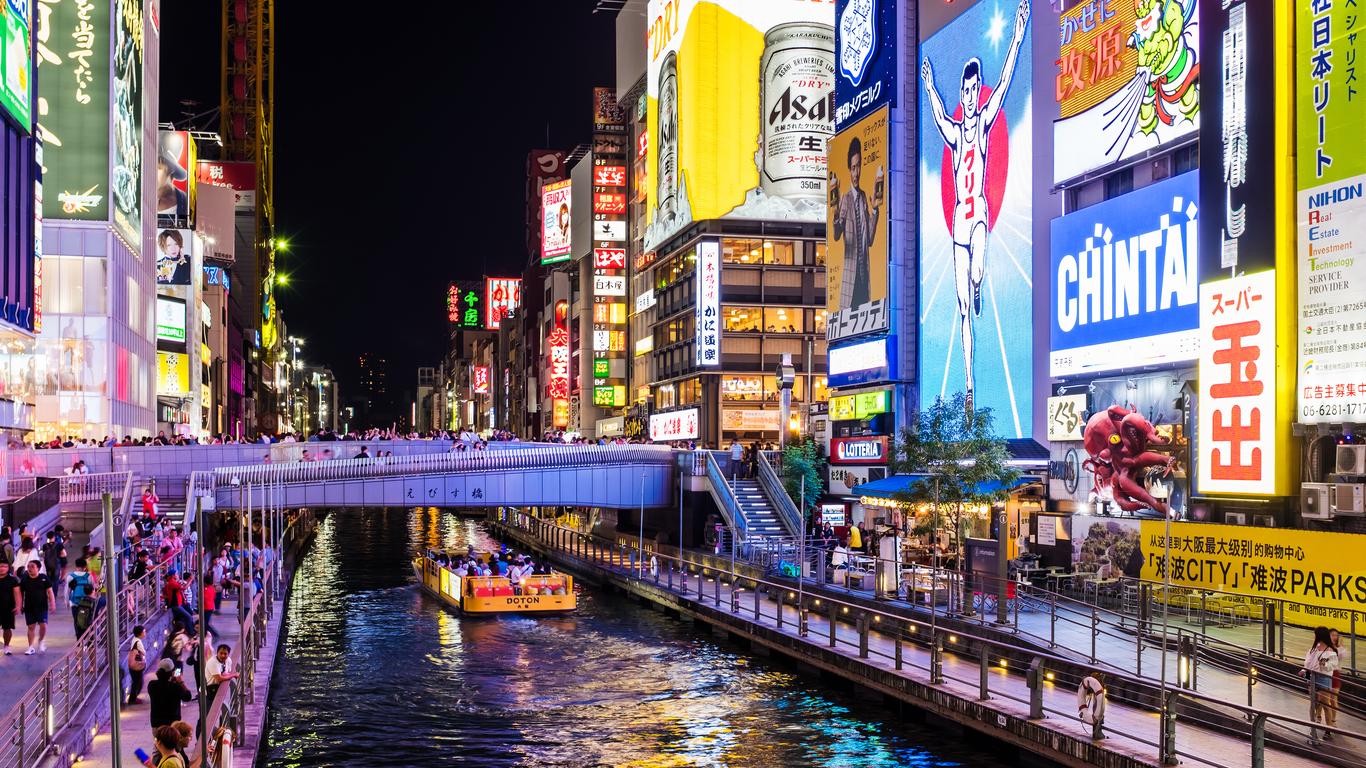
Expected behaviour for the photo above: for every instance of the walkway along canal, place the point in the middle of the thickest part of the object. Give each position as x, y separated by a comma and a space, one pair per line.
972, 680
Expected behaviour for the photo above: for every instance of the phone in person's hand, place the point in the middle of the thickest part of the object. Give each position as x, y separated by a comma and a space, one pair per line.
141, 755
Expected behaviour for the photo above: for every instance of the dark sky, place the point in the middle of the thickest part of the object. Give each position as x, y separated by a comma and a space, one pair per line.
401, 142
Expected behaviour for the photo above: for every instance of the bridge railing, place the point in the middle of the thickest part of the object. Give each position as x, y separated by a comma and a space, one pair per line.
92, 487
773, 487
724, 496
558, 456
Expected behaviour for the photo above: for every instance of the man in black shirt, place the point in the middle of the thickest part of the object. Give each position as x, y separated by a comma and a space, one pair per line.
166, 693
36, 589
10, 601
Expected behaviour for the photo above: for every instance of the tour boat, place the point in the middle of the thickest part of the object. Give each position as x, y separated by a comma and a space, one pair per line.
490, 595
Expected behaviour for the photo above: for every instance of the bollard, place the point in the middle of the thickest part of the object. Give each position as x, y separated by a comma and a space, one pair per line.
862, 635
717, 600
937, 660
984, 669
757, 608
898, 650
670, 566
1167, 749
801, 621
1034, 679
834, 619
734, 600
780, 610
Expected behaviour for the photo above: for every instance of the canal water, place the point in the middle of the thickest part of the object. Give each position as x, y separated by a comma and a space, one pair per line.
375, 673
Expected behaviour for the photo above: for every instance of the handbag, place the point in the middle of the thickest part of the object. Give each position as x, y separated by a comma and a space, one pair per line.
137, 660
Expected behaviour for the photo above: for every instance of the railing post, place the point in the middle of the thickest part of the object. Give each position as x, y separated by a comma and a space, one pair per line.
1095, 628
863, 636
1259, 740
898, 649
717, 600
834, 620
1052, 620
801, 620
936, 659
781, 599
1167, 741
734, 599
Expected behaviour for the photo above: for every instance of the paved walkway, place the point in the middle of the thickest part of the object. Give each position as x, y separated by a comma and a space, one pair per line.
18, 672
1131, 729
135, 729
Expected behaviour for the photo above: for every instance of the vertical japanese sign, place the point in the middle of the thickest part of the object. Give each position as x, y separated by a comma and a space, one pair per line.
1237, 445
480, 379
708, 307
1128, 80
73, 108
1237, 177
555, 222
1331, 120
501, 296
127, 121
465, 304
16, 61
557, 353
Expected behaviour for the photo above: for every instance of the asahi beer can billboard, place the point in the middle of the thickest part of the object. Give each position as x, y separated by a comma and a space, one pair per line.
741, 104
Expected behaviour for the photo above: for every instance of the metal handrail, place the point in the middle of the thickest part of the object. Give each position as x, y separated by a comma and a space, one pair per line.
961, 643
55, 697
466, 461
777, 493
724, 496
92, 487
18, 487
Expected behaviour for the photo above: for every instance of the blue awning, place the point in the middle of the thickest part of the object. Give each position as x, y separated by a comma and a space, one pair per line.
890, 487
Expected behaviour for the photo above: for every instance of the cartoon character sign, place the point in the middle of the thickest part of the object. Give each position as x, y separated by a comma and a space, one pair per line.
1117, 441
985, 212
1166, 62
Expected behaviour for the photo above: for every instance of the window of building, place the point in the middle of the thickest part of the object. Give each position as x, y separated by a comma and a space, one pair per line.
820, 254
819, 389
783, 252
742, 388
689, 391
1119, 183
783, 320
735, 250
821, 317
1186, 158
742, 319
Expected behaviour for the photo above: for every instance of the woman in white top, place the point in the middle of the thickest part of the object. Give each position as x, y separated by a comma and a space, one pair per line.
1320, 662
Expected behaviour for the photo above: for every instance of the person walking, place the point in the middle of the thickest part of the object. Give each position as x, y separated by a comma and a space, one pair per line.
166, 693
150, 500
36, 589
10, 602
1320, 662
754, 459
737, 456
210, 602
137, 664
79, 589
54, 557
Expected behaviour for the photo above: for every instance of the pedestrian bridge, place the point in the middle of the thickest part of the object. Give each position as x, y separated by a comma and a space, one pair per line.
613, 476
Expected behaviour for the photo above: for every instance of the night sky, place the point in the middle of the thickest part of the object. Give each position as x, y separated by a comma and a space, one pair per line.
401, 142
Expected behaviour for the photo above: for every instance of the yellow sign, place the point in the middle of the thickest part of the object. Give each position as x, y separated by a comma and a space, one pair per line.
173, 374
738, 111
842, 408
1321, 575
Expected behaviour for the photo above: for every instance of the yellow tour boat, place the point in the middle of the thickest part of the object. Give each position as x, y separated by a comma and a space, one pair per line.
490, 595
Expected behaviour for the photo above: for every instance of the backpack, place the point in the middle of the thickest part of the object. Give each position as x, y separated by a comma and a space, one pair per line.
81, 586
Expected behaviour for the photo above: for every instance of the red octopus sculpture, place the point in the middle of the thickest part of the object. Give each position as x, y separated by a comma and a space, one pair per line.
1117, 441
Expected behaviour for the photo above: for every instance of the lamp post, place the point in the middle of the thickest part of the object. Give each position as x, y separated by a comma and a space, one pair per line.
640, 567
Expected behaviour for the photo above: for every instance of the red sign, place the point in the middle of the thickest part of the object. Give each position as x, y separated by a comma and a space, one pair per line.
481, 379
858, 450
609, 175
644, 260
237, 176
557, 345
452, 303
643, 144
609, 202
609, 258
502, 295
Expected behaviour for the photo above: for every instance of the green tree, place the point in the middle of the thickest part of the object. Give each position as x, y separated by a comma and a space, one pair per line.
803, 460
959, 459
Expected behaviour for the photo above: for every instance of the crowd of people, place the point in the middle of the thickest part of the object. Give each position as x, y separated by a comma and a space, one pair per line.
515, 567
34, 576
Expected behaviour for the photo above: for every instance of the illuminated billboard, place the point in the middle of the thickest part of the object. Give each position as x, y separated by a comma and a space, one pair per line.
173, 374
170, 319
74, 85
1125, 281
127, 119
555, 222
465, 304
674, 425
975, 245
865, 54
707, 308
174, 256
240, 177
863, 362
1332, 215
480, 379
740, 105
1128, 81
16, 61
501, 296
557, 354
857, 228
175, 181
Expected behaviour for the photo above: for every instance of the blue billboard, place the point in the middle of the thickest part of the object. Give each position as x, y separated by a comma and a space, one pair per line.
1124, 281
863, 362
865, 52
976, 213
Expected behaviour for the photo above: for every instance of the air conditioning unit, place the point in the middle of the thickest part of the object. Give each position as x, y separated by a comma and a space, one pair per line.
1351, 460
1264, 521
1347, 499
1235, 518
1316, 501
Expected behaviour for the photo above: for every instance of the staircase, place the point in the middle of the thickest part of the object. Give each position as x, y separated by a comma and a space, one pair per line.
761, 518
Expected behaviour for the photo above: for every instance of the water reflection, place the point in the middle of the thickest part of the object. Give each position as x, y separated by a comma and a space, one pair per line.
374, 673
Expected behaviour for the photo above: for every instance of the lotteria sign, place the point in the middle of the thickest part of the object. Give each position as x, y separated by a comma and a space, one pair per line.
674, 425
1125, 282
858, 450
